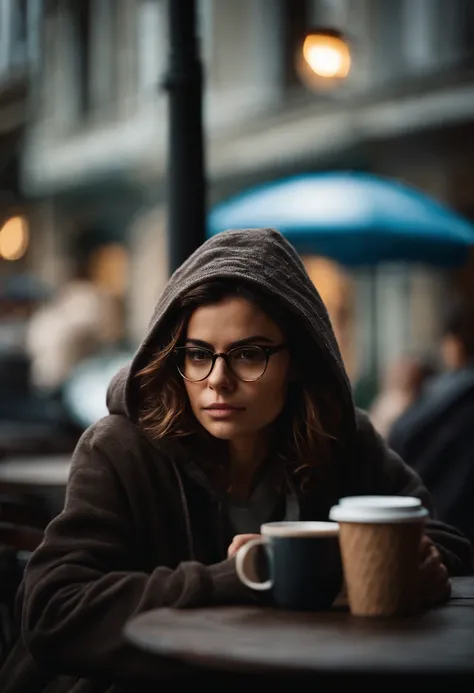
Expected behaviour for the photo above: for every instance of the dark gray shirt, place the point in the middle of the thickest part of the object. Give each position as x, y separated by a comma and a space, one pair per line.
265, 504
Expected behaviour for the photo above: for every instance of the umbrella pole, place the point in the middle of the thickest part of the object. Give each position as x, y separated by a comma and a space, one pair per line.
374, 342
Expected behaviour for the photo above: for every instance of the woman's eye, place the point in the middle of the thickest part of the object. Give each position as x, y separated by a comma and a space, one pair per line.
198, 355
248, 354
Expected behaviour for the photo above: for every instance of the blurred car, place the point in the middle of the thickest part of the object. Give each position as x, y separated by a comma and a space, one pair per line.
84, 393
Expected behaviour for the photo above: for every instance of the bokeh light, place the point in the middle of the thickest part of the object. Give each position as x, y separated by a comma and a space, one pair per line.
327, 56
14, 238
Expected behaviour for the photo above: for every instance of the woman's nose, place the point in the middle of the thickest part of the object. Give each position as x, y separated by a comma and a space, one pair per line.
220, 375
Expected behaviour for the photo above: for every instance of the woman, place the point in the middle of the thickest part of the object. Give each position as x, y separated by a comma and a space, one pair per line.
235, 410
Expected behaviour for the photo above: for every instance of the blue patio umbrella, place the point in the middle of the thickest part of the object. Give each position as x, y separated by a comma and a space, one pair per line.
354, 218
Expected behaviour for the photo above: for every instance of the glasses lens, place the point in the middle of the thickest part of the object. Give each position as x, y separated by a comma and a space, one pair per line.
247, 363
194, 363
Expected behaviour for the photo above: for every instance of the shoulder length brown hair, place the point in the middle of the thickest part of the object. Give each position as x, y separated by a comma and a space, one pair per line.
310, 421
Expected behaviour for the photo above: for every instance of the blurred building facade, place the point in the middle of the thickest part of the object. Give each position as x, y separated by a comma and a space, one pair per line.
88, 128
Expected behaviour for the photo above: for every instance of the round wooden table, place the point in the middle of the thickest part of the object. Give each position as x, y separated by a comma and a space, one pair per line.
327, 645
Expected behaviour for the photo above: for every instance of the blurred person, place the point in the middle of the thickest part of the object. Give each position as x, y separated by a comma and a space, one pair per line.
235, 410
404, 383
73, 325
436, 435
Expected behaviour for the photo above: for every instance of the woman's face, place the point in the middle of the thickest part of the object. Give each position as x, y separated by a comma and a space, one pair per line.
247, 408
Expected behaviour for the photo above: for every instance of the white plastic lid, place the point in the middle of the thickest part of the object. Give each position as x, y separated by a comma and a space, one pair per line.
378, 509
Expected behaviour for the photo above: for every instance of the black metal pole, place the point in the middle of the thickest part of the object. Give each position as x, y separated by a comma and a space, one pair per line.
186, 176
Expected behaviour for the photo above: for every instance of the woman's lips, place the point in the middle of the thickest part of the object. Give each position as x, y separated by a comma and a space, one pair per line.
223, 411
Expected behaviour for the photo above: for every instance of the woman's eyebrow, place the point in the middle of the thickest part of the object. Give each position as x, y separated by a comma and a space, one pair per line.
199, 342
255, 339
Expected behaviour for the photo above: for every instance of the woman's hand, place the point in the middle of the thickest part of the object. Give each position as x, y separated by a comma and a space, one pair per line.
238, 541
435, 585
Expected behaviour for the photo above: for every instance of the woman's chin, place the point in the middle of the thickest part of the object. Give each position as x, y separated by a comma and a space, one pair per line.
224, 430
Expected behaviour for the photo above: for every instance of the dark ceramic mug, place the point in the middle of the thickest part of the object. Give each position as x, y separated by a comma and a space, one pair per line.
300, 566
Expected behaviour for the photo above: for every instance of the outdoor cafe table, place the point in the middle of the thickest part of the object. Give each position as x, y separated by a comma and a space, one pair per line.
42, 477
276, 645
49, 470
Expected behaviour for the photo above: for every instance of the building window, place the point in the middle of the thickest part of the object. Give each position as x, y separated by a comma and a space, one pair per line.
20, 32
294, 22
466, 33
104, 55
151, 44
20, 22
414, 37
96, 39
80, 14
206, 29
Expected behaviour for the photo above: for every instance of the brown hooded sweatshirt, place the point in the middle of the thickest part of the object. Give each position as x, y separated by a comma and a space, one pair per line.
142, 528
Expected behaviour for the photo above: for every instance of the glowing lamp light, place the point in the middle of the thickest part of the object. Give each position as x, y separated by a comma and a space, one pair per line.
14, 239
324, 59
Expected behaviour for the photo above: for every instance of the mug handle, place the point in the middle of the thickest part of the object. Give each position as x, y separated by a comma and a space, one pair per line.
242, 557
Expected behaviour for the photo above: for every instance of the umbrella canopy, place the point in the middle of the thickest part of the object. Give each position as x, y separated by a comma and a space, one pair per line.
355, 218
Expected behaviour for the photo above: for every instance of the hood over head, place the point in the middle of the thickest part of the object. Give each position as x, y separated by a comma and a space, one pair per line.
262, 258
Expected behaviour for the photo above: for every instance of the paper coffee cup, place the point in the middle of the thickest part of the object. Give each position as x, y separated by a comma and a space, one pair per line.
380, 547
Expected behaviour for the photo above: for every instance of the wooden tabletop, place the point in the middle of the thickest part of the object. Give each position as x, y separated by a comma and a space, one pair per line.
253, 639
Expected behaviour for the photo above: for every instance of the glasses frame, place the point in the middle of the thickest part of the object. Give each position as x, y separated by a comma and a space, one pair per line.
267, 351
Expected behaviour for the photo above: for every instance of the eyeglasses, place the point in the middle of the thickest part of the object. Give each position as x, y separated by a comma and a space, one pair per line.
246, 363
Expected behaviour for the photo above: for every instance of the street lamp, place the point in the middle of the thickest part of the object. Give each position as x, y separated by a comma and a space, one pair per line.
186, 176
324, 59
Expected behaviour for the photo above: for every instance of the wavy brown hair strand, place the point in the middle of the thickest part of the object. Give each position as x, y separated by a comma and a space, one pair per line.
164, 407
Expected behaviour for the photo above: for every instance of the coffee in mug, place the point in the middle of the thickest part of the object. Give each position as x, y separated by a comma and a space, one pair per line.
301, 566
